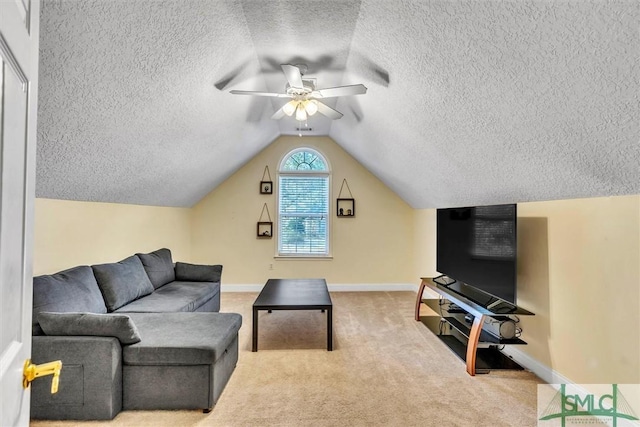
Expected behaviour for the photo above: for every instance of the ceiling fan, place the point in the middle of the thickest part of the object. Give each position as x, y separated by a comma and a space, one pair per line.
305, 98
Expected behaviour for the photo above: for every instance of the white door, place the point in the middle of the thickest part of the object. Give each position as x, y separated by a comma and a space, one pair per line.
19, 27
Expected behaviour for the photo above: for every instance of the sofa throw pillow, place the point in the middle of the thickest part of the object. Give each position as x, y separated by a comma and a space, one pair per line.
122, 282
159, 267
91, 324
74, 289
198, 273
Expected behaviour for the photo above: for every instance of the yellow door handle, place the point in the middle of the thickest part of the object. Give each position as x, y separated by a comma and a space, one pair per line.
31, 372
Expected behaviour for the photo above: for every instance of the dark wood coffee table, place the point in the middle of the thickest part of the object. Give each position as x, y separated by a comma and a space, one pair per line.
294, 294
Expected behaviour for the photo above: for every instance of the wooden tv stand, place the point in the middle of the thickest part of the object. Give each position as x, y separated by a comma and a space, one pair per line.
481, 353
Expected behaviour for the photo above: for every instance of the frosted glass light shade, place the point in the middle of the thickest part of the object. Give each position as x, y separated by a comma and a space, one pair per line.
289, 108
301, 114
311, 107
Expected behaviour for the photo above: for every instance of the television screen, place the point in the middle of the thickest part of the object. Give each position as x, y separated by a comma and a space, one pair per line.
478, 246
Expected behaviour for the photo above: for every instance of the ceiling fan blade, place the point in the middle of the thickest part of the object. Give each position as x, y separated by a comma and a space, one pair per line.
325, 110
249, 92
339, 91
278, 114
292, 73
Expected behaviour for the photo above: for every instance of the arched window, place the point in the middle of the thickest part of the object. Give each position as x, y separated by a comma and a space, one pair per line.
303, 204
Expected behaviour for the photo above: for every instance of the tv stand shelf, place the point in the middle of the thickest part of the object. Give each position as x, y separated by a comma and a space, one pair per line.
477, 347
464, 328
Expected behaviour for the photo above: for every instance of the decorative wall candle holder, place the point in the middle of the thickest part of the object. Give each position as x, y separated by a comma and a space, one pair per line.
345, 207
266, 186
264, 229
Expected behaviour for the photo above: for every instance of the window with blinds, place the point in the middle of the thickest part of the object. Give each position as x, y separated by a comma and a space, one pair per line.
303, 205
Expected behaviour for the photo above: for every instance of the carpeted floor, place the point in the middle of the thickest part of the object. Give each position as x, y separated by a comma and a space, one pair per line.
386, 369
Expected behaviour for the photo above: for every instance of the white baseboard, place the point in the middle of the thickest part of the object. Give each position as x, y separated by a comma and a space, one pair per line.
240, 288
540, 369
333, 287
372, 287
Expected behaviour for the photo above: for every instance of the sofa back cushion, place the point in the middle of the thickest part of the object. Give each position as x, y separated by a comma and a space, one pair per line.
75, 289
159, 267
198, 273
122, 282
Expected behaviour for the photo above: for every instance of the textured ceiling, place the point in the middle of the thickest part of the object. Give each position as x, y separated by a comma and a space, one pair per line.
469, 102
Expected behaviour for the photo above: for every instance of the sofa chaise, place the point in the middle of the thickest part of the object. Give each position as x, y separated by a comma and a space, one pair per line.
143, 333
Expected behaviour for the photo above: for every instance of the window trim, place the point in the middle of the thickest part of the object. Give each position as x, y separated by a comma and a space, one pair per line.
327, 173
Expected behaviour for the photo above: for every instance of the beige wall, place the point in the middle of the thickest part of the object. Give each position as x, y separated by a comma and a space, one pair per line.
424, 244
373, 247
579, 272
69, 233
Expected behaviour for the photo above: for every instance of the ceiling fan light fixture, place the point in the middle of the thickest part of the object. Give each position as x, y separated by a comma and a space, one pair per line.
303, 95
311, 107
290, 108
301, 114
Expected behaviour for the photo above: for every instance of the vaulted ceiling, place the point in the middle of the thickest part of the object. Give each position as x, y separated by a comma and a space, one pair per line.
469, 102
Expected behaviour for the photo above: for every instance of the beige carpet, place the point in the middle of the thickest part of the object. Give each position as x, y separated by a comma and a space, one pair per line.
386, 369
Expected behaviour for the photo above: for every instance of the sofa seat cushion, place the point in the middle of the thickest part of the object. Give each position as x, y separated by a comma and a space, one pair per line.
176, 296
122, 282
181, 338
159, 267
74, 289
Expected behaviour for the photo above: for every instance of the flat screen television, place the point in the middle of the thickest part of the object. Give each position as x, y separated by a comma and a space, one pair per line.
478, 247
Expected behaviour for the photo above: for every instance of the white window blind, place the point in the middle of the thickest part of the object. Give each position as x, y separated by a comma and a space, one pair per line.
303, 213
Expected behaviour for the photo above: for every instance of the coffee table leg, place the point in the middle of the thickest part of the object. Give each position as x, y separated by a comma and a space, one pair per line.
330, 329
254, 344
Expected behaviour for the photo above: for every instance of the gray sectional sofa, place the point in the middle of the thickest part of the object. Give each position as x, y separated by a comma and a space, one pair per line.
142, 333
